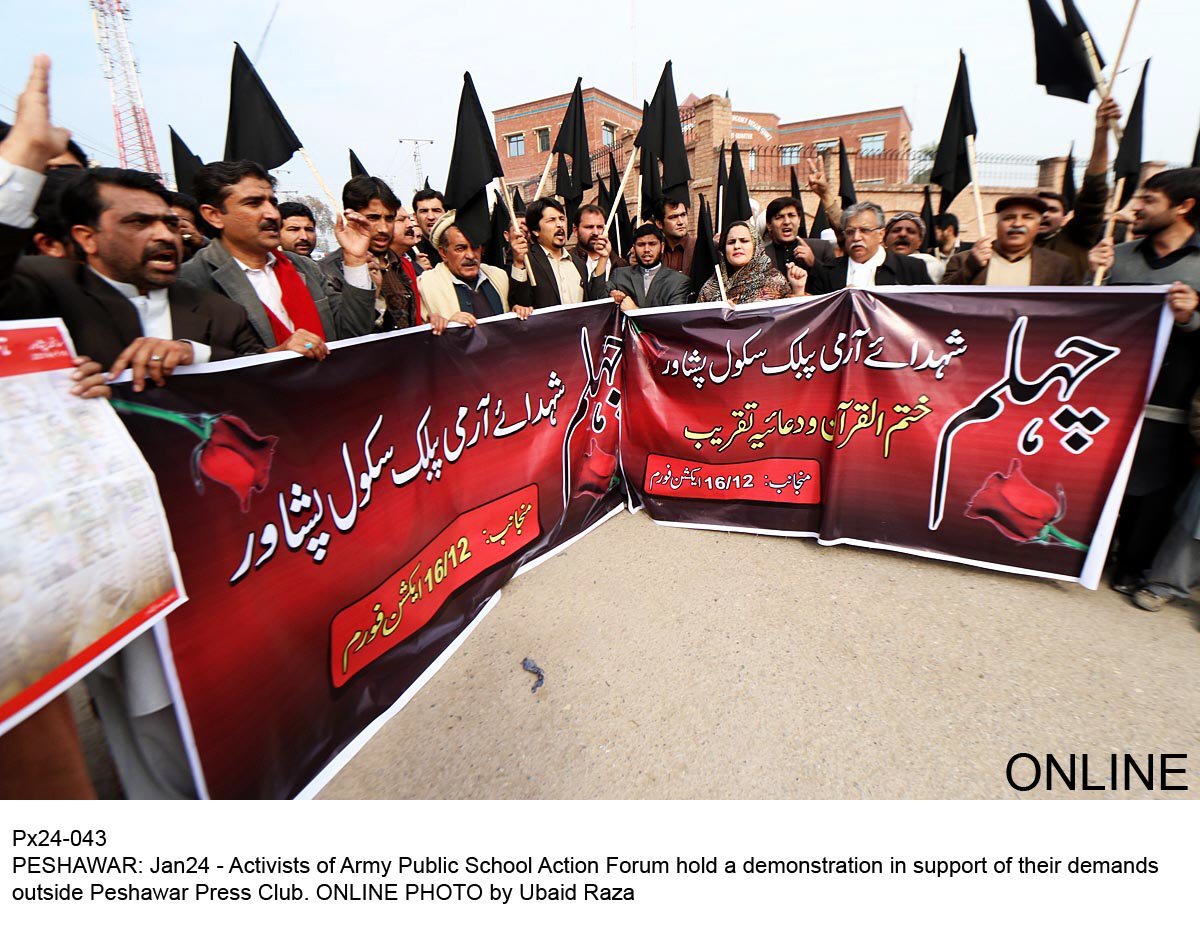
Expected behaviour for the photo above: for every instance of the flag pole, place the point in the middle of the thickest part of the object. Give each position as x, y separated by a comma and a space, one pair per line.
512, 222
1102, 86
1113, 207
620, 194
975, 185
1124, 40
545, 176
721, 285
337, 204
638, 216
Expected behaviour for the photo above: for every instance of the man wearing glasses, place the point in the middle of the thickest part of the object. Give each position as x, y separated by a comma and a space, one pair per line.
866, 263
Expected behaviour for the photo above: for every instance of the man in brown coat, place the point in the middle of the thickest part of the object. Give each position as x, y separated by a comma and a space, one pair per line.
1010, 258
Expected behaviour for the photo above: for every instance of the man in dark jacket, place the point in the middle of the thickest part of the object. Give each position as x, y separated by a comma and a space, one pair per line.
649, 283
1011, 258
122, 304
1075, 235
867, 263
561, 279
783, 223
283, 294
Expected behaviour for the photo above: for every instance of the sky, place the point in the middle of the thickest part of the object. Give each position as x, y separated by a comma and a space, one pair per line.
364, 73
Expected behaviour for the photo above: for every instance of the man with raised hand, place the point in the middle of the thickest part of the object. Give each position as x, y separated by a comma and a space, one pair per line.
287, 297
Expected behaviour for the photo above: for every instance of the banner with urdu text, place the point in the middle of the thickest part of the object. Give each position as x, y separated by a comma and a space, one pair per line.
342, 522
988, 426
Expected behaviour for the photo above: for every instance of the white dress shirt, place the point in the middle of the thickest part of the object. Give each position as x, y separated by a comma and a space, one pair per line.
154, 314
862, 275
19, 189
593, 263
266, 285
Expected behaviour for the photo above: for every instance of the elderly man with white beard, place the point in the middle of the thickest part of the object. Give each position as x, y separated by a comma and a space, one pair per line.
867, 262
1011, 258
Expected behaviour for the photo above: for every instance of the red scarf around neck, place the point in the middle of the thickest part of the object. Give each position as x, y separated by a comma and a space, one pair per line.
297, 300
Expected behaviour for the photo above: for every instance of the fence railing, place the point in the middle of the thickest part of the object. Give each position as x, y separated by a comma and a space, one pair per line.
769, 168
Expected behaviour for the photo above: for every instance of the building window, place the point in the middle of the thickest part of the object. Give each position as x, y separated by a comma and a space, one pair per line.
608, 135
871, 144
791, 154
516, 145
543, 139
830, 145
752, 159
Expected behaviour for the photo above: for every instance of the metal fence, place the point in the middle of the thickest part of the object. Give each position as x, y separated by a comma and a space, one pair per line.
769, 168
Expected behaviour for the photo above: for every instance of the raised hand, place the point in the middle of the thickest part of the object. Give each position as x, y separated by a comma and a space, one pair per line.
353, 234
33, 141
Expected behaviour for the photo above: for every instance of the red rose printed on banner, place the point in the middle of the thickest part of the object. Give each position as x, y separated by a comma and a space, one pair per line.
229, 452
234, 456
1020, 510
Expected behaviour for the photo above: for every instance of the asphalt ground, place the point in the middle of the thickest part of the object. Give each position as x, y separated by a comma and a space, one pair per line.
693, 664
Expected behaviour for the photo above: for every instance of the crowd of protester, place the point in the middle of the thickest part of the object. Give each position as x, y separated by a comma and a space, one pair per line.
149, 280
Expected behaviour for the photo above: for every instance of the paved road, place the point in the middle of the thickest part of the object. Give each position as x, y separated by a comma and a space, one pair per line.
686, 664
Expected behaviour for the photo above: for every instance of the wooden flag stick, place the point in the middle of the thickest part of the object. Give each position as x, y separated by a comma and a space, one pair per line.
545, 177
619, 195
721, 285
975, 185
638, 215
1113, 207
334, 202
1102, 86
1124, 40
512, 222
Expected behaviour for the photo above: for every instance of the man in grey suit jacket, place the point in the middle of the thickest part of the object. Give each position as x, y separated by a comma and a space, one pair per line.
649, 284
244, 262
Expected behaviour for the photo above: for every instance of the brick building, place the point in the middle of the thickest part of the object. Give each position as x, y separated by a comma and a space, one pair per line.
526, 132
886, 169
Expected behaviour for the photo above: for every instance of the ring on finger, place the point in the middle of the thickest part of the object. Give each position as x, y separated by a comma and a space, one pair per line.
156, 357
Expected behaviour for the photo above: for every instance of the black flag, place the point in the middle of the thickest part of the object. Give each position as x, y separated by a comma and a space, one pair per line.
1127, 167
356, 166
704, 257
845, 179
662, 134
620, 234
802, 231
257, 130
474, 164
820, 222
518, 201
493, 252
572, 142
951, 167
652, 191
737, 194
1068, 183
427, 187
1062, 65
185, 161
1076, 27
1196, 152
928, 243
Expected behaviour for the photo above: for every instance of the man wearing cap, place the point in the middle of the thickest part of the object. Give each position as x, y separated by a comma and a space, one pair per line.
904, 235
1010, 258
462, 288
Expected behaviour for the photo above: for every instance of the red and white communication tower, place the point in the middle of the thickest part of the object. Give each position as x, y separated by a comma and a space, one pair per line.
135, 141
